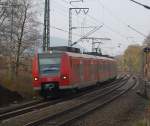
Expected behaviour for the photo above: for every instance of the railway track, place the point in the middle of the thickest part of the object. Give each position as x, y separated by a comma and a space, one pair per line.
91, 103
27, 109
33, 105
19, 106
85, 100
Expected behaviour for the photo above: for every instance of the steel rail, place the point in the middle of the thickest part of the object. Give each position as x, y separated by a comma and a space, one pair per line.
90, 100
21, 109
94, 106
35, 105
27, 109
19, 106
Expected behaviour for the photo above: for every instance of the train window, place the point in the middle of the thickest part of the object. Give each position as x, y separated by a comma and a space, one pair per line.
49, 65
76, 70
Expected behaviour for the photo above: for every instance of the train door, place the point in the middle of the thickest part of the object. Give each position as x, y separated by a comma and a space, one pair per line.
104, 71
100, 70
108, 70
81, 70
96, 70
75, 70
86, 70
93, 71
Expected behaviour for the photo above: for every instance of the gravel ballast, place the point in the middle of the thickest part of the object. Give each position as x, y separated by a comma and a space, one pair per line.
128, 110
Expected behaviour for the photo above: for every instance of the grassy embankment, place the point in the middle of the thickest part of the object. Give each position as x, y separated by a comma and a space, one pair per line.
22, 83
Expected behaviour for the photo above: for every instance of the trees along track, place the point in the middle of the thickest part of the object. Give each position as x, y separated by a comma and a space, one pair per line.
31, 106
63, 113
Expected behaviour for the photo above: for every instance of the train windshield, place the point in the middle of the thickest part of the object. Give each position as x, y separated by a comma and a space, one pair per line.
49, 65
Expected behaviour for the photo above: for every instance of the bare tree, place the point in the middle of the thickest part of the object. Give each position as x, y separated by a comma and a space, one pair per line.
19, 31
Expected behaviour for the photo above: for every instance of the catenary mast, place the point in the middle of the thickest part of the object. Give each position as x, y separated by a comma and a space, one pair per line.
46, 33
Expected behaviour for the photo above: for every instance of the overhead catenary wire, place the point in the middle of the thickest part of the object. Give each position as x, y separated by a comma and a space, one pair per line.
111, 14
90, 17
63, 30
60, 29
137, 31
65, 13
146, 6
86, 35
120, 20
61, 11
98, 22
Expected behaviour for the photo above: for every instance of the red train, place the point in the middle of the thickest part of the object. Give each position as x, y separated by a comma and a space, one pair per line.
54, 71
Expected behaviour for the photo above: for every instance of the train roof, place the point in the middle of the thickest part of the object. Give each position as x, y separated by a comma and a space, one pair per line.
79, 55
65, 49
75, 52
88, 56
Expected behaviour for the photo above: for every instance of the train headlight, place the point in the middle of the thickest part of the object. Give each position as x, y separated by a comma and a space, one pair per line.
64, 77
36, 78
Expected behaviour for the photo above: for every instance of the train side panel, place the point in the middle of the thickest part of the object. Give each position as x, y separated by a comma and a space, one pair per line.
65, 73
35, 73
75, 71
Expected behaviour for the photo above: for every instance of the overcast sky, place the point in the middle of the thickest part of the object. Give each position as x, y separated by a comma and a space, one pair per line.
116, 15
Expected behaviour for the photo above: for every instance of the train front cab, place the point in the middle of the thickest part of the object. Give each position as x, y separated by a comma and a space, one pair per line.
50, 73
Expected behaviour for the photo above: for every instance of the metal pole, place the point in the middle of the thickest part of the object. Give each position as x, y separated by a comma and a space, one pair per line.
12, 22
48, 26
93, 45
78, 10
46, 33
93, 39
70, 27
